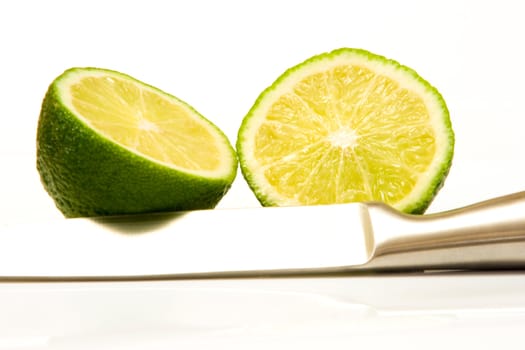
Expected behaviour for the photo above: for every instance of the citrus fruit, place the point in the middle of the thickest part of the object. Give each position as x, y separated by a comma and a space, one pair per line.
347, 126
110, 144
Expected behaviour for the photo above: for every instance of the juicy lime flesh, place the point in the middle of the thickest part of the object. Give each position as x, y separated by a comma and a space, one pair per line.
146, 122
345, 134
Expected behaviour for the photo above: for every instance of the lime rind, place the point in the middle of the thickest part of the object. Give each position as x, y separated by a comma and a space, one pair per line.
427, 188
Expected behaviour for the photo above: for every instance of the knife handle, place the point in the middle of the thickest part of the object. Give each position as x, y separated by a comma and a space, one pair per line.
486, 235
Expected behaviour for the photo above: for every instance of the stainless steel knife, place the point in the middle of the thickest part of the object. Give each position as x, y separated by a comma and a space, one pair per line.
336, 238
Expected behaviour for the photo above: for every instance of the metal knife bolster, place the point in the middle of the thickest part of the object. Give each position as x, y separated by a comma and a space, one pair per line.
486, 235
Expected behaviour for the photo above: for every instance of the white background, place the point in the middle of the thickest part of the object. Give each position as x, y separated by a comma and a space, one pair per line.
218, 56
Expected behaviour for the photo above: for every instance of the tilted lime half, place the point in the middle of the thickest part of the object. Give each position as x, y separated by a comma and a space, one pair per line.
345, 126
110, 144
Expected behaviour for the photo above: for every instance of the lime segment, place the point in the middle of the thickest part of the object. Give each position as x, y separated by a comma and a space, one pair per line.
110, 144
347, 126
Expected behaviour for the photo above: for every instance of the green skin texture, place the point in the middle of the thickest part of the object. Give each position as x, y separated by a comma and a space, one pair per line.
434, 185
88, 175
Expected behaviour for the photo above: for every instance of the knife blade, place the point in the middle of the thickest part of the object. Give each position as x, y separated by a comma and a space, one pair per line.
336, 238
